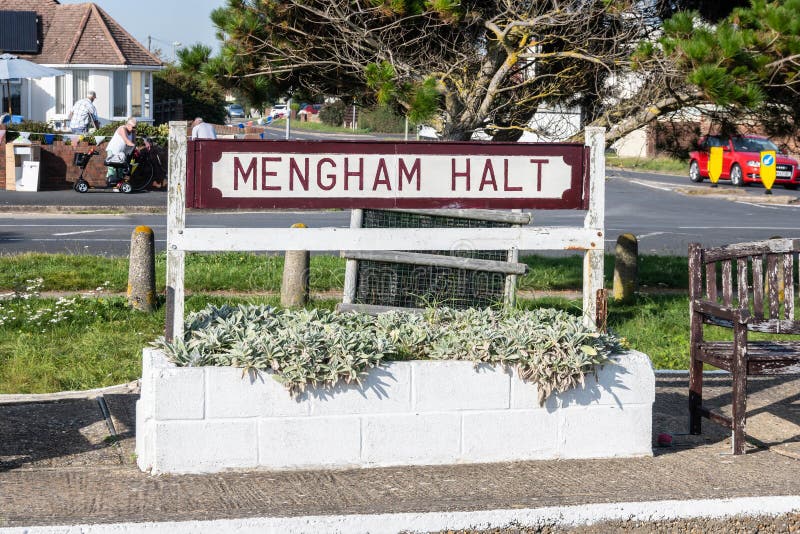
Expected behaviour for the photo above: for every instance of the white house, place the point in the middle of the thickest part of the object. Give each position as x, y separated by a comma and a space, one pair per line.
93, 51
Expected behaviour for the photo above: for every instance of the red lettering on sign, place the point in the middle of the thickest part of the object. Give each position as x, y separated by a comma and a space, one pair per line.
488, 176
238, 170
456, 174
381, 181
507, 187
539, 163
331, 177
402, 171
265, 173
302, 177
348, 173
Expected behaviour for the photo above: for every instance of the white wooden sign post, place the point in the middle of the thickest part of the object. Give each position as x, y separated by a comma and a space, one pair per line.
345, 174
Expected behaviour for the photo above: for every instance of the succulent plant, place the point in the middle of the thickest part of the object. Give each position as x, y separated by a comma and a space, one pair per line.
300, 347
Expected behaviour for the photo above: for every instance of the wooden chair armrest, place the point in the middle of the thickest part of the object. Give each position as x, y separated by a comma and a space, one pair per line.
712, 309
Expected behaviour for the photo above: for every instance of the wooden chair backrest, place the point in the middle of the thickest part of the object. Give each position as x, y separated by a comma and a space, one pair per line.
758, 277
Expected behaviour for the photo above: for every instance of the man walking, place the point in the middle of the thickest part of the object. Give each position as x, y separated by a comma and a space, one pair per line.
202, 130
84, 115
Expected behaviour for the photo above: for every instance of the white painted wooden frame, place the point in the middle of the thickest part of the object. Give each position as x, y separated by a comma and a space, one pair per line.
180, 239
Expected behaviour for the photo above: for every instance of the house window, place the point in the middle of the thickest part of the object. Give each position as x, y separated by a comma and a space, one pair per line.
61, 95
136, 94
120, 94
80, 84
16, 102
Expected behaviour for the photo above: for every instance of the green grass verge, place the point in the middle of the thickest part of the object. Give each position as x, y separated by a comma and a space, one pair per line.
257, 272
47, 346
100, 342
668, 165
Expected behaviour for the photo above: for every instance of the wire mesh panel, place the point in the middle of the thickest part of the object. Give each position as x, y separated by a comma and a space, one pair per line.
418, 286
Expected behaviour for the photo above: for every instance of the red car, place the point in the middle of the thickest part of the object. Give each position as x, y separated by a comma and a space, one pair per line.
741, 160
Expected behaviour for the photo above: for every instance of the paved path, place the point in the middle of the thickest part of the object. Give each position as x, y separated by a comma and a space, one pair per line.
59, 467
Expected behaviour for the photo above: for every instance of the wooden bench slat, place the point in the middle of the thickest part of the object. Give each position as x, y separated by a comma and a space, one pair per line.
755, 248
727, 283
758, 287
741, 283
711, 282
788, 287
772, 282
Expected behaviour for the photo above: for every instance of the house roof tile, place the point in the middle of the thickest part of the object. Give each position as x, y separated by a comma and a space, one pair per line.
82, 34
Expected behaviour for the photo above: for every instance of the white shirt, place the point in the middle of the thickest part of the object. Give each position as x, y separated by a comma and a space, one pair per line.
204, 131
84, 114
117, 144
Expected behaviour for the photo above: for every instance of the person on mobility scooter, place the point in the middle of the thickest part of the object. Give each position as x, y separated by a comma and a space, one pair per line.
119, 151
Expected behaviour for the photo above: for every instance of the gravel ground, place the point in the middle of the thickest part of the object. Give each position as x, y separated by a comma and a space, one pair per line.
735, 525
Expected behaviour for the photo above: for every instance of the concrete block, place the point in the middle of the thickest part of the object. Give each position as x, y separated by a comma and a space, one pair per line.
309, 442
628, 380
235, 393
455, 385
410, 439
204, 447
384, 390
179, 393
509, 435
145, 437
605, 431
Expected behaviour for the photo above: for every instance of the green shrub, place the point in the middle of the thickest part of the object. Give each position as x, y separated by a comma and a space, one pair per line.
332, 113
159, 133
548, 347
34, 127
381, 119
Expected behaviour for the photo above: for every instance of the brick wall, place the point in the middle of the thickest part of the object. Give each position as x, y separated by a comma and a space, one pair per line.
57, 170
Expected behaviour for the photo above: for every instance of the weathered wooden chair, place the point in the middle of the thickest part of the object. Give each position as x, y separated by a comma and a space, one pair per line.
759, 297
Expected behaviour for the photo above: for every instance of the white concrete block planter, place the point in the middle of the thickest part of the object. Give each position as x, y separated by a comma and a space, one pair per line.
207, 419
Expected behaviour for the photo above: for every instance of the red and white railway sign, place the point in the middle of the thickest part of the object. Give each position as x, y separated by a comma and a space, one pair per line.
307, 174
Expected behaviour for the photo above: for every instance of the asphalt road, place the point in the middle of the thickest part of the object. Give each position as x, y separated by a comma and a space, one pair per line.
665, 212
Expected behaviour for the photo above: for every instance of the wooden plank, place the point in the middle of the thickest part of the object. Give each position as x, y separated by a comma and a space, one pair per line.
510, 217
741, 284
374, 309
510, 291
712, 308
351, 266
788, 287
727, 283
315, 239
772, 282
711, 282
437, 260
176, 225
758, 287
595, 139
695, 339
768, 246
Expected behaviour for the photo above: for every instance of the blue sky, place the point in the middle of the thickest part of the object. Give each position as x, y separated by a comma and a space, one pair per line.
167, 21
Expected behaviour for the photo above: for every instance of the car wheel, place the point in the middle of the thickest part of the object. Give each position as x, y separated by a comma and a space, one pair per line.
694, 172
736, 176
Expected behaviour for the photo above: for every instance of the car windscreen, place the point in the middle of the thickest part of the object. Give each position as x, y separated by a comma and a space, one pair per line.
751, 144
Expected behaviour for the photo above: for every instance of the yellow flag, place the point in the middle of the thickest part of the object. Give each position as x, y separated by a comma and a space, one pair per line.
768, 170
715, 163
